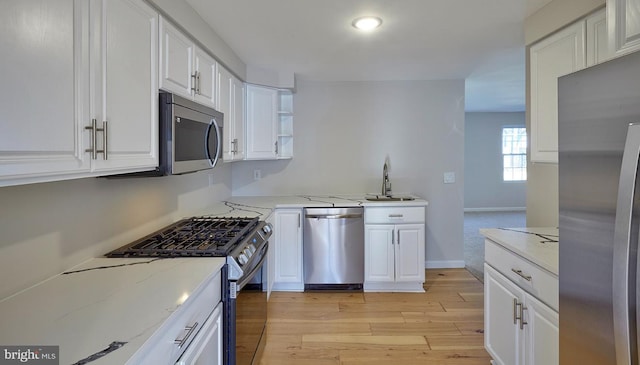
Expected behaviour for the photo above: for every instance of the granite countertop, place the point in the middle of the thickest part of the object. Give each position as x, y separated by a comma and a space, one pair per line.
263, 206
536, 244
102, 302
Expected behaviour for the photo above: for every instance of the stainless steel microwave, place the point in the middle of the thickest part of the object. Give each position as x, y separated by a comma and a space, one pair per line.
190, 136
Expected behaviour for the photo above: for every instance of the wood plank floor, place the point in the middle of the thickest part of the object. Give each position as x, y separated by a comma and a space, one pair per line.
443, 326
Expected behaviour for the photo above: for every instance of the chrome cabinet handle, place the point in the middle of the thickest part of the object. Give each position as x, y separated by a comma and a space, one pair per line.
522, 321
396, 215
276, 147
94, 139
398, 233
515, 310
190, 330
198, 82
93, 149
194, 80
522, 275
105, 139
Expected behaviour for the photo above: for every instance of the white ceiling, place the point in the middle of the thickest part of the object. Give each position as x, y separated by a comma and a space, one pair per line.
481, 41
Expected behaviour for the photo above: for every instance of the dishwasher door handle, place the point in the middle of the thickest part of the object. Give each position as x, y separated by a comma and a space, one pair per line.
333, 216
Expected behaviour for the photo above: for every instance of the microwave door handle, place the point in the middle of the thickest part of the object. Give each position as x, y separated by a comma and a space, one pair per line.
625, 243
213, 125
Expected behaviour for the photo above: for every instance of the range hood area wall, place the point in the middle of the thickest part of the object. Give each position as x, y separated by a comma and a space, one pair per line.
50, 227
344, 131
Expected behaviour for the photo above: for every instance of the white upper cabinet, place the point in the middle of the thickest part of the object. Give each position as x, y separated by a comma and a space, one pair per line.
205, 68
125, 86
623, 17
597, 47
269, 123
185, 69
262, 107
44, 134
560, 54
584, 43
43, 108
231, 103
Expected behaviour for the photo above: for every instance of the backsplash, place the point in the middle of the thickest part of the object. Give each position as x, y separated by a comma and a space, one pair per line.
48, 228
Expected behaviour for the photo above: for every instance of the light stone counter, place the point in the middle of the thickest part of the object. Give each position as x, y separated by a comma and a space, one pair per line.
263, 206
102, 302
538, 245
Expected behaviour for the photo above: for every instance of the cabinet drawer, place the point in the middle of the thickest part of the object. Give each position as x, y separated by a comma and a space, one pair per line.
530, 277
183, 324
394, 215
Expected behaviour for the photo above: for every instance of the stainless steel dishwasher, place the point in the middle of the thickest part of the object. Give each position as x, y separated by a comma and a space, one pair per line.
333, 248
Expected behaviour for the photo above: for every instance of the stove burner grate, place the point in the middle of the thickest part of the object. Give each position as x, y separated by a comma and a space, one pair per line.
197, 236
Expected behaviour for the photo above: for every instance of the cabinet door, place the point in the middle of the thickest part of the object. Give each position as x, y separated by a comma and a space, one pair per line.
288, 246
554, 56
410, 252
125, 88
261, 122
44, 90
379, 243
623, 17
205, 68
206, 347
541, 336
238, 119
225, 100
502, 335
597, 48
176, 60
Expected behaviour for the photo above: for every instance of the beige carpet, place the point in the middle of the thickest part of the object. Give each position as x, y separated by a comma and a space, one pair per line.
474, 241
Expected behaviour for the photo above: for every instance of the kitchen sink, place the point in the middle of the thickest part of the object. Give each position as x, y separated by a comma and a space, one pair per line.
388, 198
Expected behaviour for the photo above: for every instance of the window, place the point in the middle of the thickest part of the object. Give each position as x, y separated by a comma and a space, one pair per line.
514, 154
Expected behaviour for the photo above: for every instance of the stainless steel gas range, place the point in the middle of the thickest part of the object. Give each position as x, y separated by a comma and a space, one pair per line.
244, 243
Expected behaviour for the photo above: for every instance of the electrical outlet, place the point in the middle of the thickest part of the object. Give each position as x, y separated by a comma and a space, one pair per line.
257, 174
449, 177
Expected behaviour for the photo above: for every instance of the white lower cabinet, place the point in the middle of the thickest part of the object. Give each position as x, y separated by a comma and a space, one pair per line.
206, 347
519, 328
288, 250
394, 249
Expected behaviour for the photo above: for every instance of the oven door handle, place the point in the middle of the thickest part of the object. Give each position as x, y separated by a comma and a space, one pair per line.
245, 278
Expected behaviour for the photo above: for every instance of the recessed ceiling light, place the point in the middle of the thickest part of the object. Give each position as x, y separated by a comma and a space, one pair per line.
367, 23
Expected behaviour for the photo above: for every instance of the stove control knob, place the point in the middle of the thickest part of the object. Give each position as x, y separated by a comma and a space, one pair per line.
252, 248
243, 259
247, 252
266, 229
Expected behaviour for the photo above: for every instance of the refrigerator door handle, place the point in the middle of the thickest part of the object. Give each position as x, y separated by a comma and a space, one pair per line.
625, 245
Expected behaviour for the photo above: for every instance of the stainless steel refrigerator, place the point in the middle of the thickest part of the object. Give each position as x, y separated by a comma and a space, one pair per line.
599, 149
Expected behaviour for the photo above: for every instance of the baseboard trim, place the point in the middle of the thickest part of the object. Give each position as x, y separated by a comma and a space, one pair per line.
444, 264
499, 209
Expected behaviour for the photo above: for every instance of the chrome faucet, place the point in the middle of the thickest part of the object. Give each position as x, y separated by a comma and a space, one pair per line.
386, 184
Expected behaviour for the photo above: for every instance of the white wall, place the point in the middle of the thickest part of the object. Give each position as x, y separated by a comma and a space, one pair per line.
343, 132
48, 228
484, 187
